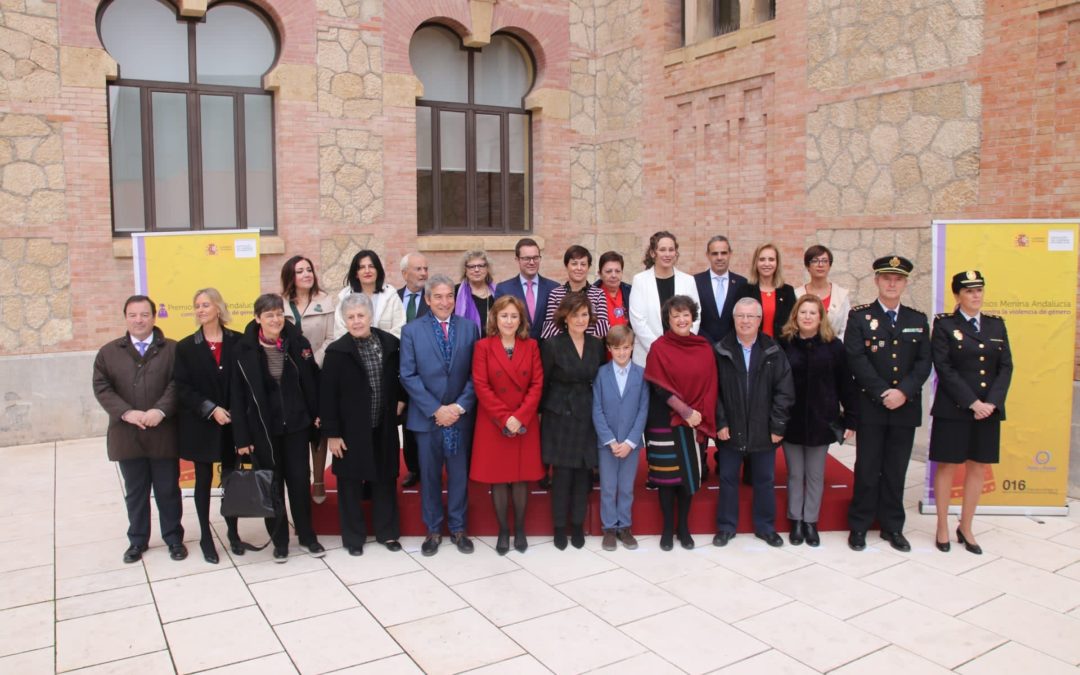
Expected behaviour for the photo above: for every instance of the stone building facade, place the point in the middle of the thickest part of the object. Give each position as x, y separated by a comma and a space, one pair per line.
850, 122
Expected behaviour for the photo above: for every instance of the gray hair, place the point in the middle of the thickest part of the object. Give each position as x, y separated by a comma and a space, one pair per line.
715, 238
437, 280
747, 302
356, 300
404, 264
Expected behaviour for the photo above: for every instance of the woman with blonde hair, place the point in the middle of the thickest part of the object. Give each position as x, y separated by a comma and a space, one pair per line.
475, 295
824, 411
768, 288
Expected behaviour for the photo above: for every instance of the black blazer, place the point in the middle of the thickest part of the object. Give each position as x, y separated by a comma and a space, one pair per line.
785, 301
715, 325
421, 309
567, 434
970, 366
345, 409
882, 356
202, 385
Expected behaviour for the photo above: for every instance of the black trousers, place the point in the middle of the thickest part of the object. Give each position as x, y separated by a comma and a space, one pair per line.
164, 475
384, 511
569, 495
882, 453
410, 450
292, 470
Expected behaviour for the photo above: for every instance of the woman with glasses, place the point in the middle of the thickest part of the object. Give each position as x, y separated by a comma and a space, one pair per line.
475, 295
818, 260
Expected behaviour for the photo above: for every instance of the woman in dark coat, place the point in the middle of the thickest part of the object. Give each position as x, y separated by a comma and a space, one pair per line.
358, 403
202, 375
823, 384
275, 400
567, 436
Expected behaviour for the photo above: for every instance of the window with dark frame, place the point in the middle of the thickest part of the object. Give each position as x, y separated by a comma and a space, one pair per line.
473, 134
190, 127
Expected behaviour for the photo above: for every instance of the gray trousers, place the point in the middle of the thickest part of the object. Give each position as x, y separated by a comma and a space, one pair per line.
806, 480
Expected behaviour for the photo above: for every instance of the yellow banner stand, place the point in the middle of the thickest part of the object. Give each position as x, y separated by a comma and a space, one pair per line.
171, 266
1031, 272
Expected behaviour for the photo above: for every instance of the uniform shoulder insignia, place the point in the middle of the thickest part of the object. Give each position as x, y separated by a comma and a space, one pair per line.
943, 315
993, 316
859, 308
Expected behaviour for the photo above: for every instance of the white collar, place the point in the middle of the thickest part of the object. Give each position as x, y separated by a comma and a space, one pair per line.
714, 276
148, 340
977, 317
886, 309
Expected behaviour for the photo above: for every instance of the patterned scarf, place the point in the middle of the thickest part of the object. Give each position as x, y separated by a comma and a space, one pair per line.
451, 434
370, 352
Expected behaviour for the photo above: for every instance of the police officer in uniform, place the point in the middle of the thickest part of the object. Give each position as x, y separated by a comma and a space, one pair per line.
888, 348
974, 368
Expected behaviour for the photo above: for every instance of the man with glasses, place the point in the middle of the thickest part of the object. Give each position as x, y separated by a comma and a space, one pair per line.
752, 412
528, 285
414, 271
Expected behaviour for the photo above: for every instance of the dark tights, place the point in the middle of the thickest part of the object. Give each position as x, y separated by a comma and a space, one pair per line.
204, 475
501, 493
668, 495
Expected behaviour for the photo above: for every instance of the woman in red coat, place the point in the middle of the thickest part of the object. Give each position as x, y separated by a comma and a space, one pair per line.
509, 379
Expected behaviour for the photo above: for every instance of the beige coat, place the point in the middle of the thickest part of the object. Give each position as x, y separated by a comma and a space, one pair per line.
316, 323
125, 381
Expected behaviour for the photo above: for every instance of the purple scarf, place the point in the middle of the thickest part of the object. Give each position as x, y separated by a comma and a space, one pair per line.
466, 308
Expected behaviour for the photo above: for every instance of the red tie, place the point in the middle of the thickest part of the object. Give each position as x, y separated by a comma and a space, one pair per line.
445, 330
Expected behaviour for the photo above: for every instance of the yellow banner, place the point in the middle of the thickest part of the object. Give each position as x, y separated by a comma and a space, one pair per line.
170, 267
1031, 272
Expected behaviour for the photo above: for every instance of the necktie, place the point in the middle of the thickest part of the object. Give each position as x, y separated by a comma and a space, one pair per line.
530, 299
141, 346
445, 330
974, 323
410, 311
891, 313
721, 294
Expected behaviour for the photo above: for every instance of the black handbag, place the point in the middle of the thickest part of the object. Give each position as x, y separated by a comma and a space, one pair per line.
838, 431
249, 493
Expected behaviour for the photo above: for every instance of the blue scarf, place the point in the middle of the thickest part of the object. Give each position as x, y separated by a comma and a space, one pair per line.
451, 434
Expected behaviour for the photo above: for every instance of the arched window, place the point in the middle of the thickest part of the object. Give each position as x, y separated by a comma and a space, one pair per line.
472, 134
190, 127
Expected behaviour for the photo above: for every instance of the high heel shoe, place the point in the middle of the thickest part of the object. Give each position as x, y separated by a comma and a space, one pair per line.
520, 542
502, 546
560, 538
943, 546
971, 548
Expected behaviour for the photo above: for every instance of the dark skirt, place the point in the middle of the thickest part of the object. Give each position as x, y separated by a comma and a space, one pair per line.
673, 457
957, 441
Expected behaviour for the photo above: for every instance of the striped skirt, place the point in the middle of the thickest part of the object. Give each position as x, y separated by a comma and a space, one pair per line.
673, 457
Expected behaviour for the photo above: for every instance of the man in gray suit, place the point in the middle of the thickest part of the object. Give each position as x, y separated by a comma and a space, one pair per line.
436, 371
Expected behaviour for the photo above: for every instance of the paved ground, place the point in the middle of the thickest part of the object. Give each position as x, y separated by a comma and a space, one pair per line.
67, 602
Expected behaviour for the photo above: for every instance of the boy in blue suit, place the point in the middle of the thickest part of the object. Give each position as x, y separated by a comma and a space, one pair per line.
620, 407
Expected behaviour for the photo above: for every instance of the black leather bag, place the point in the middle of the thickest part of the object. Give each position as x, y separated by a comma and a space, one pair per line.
249, 493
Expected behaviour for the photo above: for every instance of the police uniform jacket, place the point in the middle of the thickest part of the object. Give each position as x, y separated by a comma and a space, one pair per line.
882, 356
970, 366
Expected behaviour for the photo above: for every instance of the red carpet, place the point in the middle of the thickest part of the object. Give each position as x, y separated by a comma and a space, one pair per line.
646, 510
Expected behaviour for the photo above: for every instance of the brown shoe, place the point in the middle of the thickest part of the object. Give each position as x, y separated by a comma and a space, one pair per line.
627, 539
609, 543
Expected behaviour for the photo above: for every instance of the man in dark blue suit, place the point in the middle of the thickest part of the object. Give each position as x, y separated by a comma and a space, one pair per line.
528, 286
414, 271
436, 371
719, 289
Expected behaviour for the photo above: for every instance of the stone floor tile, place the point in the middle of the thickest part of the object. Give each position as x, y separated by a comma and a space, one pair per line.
1028, 550
750, 557
555, 567
435, 643
268, 570
376, 563
519, 665
1031, 625
742, 597
274, 664
26, 526
154, 663
1051, 590
1013, 657
772, 662
109, 636
26, 628
199, 594
656, 566
512, 597
103, 601
20, 554
78, 560
302, 596
933, 588
820, 640
454, 567
26, 587
694, 641
573, 641
407, 597
131, 575
642, 664
36, 662
336, 640
891, 661
830, 591
401, 664
620, 597
835, 554
221, 639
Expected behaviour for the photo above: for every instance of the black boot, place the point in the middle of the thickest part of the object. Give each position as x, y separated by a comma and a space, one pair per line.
796, 534
560, 538
811, 534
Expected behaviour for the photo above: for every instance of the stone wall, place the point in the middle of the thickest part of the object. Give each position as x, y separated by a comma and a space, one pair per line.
31, 170
914, 151
350, 176
350, 73
853, 41
29, 54
35, 294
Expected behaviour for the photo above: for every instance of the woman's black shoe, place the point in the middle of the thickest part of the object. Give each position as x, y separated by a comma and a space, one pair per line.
810, 534
502, 546
577, 536
560, 538
943, 546
520, 542
209, 551
236, 546
686, 541
796, 534
971, 548
667, 541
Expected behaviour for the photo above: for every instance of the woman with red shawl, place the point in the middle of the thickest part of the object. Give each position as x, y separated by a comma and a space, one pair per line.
680, 370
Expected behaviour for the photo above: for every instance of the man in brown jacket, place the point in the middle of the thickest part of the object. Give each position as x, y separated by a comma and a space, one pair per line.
133, 383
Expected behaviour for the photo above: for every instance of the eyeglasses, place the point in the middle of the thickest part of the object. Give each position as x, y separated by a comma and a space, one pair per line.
820, 261
529, 259
476, 266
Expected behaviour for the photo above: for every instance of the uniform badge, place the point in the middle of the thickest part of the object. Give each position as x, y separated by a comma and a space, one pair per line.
873, 324
881, 343
867, 317
318, 308
894, 262
971, 275
957, 334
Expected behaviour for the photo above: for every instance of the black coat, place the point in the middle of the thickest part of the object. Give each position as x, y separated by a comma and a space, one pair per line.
345, 409
567, 435
882, 356
970, 366
202, 385
715, 325
261, 407
755, 406
785, 301
822, 385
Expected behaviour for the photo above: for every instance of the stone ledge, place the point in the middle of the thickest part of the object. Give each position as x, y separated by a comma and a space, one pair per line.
292, 82
465, 242
86, 67
552, 103
743, 37
270, 245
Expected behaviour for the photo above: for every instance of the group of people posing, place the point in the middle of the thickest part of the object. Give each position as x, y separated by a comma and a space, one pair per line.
532, 380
